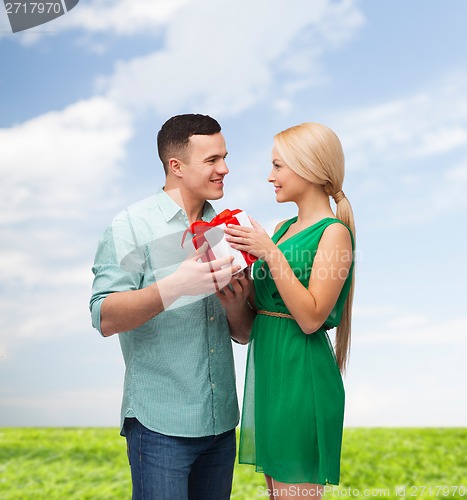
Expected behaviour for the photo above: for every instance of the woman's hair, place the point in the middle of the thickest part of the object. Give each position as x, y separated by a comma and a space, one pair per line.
314, 152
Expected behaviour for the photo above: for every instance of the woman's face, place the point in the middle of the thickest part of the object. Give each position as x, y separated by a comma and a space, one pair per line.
289, 186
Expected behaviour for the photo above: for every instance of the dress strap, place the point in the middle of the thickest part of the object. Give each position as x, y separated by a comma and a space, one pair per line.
275, 314
283, 229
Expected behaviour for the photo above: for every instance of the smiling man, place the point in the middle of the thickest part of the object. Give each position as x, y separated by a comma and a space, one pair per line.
179, 409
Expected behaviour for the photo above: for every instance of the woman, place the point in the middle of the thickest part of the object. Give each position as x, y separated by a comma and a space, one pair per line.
294, 397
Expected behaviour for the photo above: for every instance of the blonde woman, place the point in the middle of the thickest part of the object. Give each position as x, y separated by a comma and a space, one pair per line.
294, 397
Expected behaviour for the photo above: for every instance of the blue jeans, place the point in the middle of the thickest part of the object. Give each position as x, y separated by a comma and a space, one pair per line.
177, 468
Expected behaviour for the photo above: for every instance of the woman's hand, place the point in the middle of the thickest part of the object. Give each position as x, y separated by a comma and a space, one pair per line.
234, 296
253, 240
234, 299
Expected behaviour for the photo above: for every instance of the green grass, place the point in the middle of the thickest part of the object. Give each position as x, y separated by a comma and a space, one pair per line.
90, 463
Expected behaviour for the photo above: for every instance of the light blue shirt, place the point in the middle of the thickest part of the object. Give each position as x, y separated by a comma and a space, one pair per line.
179, 376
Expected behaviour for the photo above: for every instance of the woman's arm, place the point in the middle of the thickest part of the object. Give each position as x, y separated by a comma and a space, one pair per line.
309, 306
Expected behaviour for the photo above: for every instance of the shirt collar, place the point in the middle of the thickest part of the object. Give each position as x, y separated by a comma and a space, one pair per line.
170, 209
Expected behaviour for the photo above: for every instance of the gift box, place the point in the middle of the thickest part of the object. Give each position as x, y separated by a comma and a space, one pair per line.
213, 233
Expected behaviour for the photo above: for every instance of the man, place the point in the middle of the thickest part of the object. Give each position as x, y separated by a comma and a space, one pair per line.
179, 409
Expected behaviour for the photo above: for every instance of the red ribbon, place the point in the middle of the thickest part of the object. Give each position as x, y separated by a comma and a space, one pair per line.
199, 227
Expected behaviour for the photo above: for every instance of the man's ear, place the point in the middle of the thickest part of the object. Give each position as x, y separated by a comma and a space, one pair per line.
175, 166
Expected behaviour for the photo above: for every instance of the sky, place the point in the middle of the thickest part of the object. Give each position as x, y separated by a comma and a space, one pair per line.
81, 101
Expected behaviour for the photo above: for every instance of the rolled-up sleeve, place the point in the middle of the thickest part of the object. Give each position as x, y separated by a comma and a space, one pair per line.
118, 266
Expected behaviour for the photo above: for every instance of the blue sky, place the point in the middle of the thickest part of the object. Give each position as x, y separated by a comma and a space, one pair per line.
81, 101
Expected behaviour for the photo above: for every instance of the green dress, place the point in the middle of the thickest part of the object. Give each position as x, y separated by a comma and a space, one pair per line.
293, 405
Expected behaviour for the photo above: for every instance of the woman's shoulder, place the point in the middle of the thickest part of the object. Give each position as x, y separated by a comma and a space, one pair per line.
336, 232
278, 226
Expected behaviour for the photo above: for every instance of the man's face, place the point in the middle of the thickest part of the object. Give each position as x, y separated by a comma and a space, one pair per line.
204, 168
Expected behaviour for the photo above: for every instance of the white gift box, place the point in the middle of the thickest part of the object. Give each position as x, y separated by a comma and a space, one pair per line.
218, 246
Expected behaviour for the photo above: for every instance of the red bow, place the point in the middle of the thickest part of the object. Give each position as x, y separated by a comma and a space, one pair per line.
199, 227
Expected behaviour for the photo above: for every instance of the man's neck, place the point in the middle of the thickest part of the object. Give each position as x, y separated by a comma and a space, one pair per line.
193, 208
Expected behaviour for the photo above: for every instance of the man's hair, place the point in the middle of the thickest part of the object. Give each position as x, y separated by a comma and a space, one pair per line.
174, 136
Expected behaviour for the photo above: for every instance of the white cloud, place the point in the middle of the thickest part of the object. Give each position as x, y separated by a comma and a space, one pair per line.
450, 195
116, 17
121, 17
226, 61
442, 140
427, 195
53, 312
371, 312
54, 408
52, 165
401, 370
221, 28
58, 170
414, 329
457, 174
32, 269
407, 130
56, 166
424, 403
3, 352
406, 369
409, 156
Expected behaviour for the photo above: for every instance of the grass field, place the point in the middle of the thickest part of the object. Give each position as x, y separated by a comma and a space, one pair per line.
90, 463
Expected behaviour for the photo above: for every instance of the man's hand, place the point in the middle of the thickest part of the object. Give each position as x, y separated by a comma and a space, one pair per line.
197, 278
124, 311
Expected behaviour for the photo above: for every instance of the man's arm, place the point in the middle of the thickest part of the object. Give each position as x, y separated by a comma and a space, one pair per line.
124, 311
119, 305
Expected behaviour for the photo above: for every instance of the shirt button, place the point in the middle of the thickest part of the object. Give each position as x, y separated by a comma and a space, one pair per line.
213, 386
211, 318
212, 350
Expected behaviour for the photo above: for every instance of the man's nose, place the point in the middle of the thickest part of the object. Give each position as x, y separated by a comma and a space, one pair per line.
222, 168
